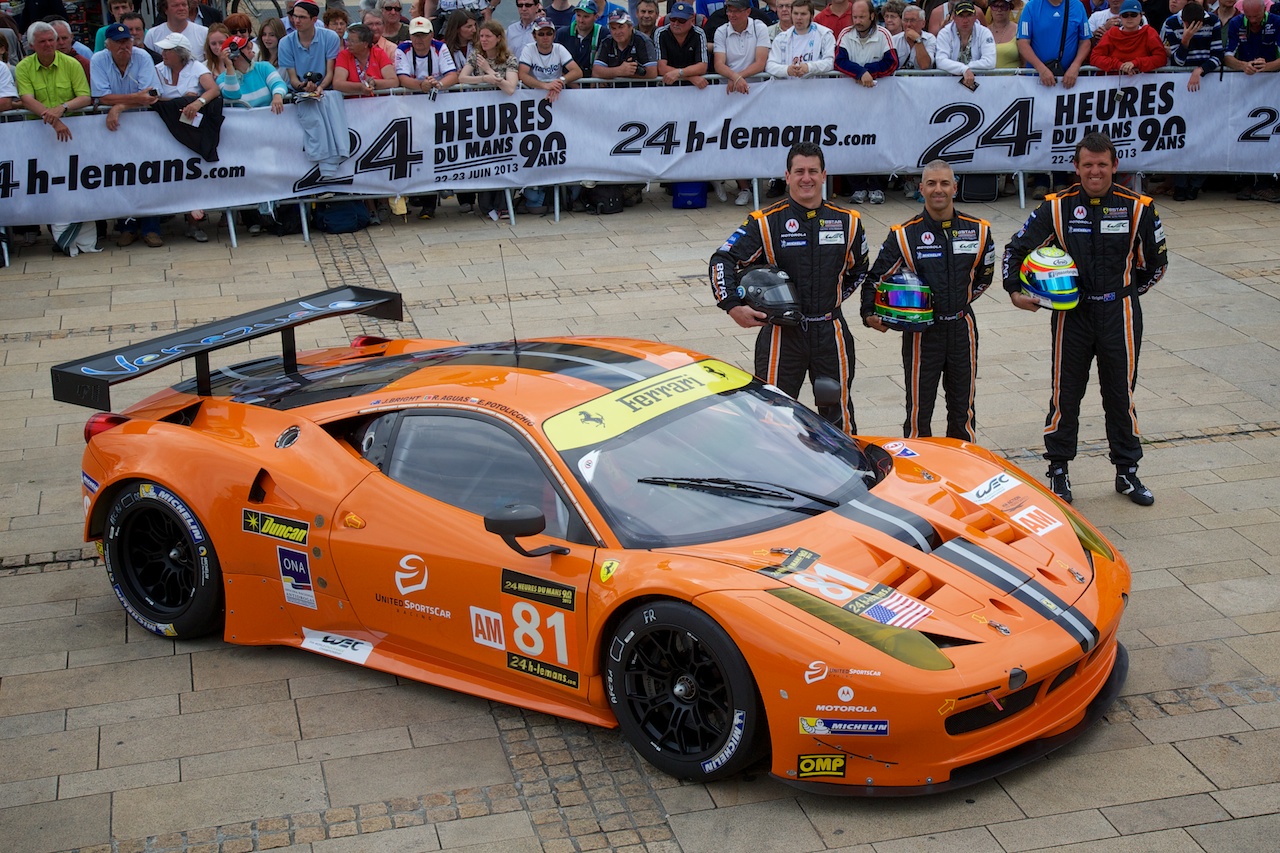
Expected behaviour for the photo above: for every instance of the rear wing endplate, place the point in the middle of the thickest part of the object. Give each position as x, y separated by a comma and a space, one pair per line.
88, 381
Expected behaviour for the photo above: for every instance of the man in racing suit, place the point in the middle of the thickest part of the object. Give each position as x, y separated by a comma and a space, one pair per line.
954, 254
823, 248
1116, 239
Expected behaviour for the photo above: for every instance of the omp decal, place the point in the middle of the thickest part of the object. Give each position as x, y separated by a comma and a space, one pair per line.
820, 766
337, 646
1010, 579
836, 726
275, 526
891, 520
613, 414
991, 489
486, 628
537, 589
538, 669
295, 575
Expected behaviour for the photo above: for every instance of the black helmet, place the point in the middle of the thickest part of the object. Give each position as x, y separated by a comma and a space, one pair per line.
769, 290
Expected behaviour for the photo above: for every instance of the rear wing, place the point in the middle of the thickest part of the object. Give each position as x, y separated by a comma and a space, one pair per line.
88, 381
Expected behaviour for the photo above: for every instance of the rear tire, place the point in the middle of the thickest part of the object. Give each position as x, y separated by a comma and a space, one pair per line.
682, 692
161, 563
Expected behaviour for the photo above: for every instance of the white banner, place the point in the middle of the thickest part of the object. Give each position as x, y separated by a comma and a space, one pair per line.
411, 145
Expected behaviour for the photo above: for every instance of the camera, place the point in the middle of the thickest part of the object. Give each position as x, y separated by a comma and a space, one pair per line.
233, 51
312, 77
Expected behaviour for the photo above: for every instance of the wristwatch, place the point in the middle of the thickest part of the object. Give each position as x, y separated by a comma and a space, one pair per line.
202, 101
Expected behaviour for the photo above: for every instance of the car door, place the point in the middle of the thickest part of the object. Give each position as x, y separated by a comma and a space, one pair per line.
421, 570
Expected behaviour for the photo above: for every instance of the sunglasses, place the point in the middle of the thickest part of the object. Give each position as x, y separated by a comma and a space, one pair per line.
392, 8
525, 5
242, 32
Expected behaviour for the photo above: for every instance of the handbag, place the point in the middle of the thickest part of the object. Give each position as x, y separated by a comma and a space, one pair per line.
1055, 66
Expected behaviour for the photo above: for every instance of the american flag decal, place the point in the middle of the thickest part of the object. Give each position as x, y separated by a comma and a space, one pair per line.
897, 610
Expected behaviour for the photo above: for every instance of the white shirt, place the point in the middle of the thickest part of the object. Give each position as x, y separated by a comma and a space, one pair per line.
817, 47
739, 48
982, 49
907, 51
188, 79
518, 37
549, 66
195, 34
418, 67
7, 87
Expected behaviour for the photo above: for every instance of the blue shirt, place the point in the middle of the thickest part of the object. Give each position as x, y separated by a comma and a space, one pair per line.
1041, 23
1247, 46
325, 45
105, 78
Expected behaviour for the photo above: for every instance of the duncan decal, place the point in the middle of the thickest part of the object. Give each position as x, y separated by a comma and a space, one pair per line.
275, 526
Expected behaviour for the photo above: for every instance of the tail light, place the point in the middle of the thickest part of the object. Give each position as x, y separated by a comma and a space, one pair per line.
100, 423
369, 341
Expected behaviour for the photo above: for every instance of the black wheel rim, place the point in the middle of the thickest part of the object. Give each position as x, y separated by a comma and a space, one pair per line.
159, 561
677, 693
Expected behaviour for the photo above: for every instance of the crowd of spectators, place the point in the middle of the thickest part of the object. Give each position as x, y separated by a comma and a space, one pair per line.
193, 59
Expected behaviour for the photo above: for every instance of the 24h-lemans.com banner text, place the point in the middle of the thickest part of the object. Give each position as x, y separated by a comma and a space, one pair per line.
485, 140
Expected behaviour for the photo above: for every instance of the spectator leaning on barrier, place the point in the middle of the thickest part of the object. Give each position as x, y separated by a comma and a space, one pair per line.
250, 83
682, 49
374, 22
915, 46
307, 59
823, 249
491, 64
362, 67
1195, 39
520, 33
965, 45
741, 51
1054, 39
50, 83
1118, 244
1252, 39
805, 50
270, 34
424, 64
625, 54
865, 52
124, 77
953, 253
1130, 48
178, 22
8, 89
545, 65
1004, 29
67, 44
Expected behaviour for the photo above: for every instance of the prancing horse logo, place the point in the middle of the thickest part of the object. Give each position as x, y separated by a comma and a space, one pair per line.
590, 418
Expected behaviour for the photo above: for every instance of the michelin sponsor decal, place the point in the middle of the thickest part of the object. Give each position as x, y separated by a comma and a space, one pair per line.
838, 726
730, 746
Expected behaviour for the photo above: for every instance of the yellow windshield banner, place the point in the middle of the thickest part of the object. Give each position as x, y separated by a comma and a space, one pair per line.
615, 413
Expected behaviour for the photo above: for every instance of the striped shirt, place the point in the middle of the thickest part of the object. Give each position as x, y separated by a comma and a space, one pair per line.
1205, 50
254, 88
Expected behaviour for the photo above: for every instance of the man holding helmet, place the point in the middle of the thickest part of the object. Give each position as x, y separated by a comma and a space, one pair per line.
1118, 243
823, 250
954, 255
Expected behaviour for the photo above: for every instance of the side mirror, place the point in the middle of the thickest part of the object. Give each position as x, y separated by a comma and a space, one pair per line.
515, 520
826, 391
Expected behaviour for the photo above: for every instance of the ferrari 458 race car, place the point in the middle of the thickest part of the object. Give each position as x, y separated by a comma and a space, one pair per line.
614, 531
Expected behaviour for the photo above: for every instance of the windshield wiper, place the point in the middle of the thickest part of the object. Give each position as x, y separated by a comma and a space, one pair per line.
746, 489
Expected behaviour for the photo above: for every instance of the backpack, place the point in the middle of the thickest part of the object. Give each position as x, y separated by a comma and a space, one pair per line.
606, 198
281, 219
978, 188
341, 217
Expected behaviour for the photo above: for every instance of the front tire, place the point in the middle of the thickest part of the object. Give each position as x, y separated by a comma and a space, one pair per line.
161, 563
682, 692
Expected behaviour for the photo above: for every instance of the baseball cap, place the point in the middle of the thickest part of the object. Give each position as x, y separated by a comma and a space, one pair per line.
681, 11
587, 6
420, 25
1131, 6
964, 7
118, 32
738, 4
543, 24
173, 40
619, 16
238, 42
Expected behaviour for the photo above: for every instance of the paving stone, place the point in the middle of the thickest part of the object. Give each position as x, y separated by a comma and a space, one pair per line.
1236, 760
418, 839
22, 725
775, 823
1191, 726
356, 743
366, 778
236, 665
117, 778
1186, 665
58, 825
222, 799
47, 755
1253, 833
842, 821
198, 734
93, 685
1055, 830
119, 712
1260, 650
232, 761
1166, 841
1074, 782
404, 704
1155, 815
492, 830
26, 791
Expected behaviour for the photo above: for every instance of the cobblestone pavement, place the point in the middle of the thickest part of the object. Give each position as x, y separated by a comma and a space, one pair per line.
112, 739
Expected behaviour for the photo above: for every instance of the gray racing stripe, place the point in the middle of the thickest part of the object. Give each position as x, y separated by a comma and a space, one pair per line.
892, 520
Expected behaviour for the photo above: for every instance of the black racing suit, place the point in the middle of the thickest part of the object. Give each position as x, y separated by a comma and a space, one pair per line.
825, 253
1118, 245
956, 258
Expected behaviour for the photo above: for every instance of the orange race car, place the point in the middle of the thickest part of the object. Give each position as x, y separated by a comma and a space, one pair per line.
615, 531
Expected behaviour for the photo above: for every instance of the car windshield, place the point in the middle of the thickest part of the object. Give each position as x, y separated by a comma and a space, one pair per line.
727, 465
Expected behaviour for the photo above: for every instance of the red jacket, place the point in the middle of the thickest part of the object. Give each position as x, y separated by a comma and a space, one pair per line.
1143, 48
